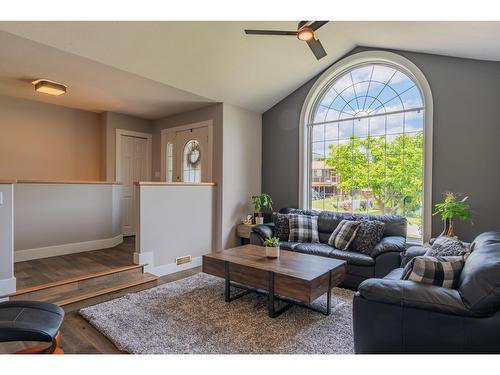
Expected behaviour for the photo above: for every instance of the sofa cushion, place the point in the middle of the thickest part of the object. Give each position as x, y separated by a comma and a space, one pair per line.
344, 234
285, 245
368, 236
353, 257
480, 278
303, 228
281, 226
314, 249
395, 274
439, 271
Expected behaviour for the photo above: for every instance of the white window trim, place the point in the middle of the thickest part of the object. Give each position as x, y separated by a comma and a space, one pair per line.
321, 84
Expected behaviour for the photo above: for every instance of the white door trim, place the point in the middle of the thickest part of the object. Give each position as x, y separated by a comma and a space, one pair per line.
168, 133
118, 147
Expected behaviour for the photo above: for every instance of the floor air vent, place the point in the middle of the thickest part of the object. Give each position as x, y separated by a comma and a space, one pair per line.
183, 260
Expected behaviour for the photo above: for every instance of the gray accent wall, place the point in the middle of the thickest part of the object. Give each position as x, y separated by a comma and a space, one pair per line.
466, 153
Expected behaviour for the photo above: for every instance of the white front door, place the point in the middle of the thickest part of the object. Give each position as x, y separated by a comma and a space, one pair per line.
133, 167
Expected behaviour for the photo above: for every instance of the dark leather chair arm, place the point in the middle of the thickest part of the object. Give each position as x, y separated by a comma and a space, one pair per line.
412, 294
389, 243
265, 230
412, 252
261, 232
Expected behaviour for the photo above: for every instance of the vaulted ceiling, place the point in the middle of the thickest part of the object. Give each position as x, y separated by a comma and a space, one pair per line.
218, 62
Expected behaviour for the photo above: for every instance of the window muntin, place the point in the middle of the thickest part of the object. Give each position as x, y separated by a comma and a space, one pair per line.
366, 144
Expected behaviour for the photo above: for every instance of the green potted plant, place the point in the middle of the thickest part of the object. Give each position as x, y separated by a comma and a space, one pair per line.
272, 245
450, 208
260, 202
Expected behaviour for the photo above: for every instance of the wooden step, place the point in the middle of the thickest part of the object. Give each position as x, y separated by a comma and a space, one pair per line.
79, 279
69, 291
69, 299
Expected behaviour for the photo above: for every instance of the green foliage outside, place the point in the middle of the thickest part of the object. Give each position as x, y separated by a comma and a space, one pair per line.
389, 172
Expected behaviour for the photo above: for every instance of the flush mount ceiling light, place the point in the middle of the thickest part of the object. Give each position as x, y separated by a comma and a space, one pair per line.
49, 87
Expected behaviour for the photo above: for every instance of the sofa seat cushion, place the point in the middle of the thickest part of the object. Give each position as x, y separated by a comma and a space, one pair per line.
395, 274
286, 245
314, 249
352, 257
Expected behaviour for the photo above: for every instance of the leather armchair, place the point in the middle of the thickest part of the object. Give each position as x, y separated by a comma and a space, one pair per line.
391, 315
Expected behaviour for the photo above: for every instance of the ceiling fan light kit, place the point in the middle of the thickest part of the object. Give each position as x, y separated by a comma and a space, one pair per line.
305, 33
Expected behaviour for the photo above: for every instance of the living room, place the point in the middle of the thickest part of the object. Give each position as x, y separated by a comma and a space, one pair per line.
249, 186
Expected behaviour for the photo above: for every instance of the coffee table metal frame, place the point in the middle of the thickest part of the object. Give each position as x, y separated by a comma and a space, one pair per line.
271, 296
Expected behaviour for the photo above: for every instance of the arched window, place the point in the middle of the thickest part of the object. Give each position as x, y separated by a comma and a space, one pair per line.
365, 123
192, 162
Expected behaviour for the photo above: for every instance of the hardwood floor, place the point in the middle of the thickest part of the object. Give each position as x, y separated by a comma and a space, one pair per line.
42, 271
78, 336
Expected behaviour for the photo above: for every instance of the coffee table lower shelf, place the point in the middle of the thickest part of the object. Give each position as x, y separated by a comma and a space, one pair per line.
271, 296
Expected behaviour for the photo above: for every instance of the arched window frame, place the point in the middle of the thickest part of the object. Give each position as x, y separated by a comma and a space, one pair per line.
323, 83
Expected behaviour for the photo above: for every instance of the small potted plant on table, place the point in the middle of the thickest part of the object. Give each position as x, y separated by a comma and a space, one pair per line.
272, 245
260, 202
452, 207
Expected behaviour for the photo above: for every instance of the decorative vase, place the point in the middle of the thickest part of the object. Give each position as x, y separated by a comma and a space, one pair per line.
259, 220
272, 252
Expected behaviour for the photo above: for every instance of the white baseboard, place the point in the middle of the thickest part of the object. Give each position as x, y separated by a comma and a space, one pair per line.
167, 269
7, 286
69, 248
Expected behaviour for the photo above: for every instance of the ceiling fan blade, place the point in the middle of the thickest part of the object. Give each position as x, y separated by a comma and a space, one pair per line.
317, 24
316, 48
270, 32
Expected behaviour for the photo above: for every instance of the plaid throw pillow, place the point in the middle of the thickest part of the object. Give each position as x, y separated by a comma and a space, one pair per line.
303, 228
281, 226
344, 234
440, 271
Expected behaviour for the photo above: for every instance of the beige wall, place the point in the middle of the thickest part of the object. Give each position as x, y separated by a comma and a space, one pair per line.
241, 173
44, 141
111, 121
214, 113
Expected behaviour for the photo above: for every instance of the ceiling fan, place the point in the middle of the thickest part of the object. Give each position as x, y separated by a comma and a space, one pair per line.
305, 32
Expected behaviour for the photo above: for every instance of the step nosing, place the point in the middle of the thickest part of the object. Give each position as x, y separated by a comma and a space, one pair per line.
55, 284
97, 293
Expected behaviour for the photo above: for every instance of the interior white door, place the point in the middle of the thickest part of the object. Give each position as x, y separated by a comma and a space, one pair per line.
133, 167
184, 143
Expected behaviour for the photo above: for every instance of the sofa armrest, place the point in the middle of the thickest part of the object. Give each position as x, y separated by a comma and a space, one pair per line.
413, 252
389, 243
265, 230
261, 232
412, 294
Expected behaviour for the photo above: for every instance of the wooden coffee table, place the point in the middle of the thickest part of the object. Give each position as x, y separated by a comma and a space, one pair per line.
293, 278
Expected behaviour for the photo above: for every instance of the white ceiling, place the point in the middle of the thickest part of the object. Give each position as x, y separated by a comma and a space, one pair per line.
217, 60
92, 86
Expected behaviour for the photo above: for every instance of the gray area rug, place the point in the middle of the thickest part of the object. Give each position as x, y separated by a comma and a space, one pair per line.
189, 316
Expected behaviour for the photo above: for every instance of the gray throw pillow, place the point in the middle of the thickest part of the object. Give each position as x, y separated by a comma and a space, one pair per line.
281, 226
369, 234
344, 234
445, 246
440, 271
